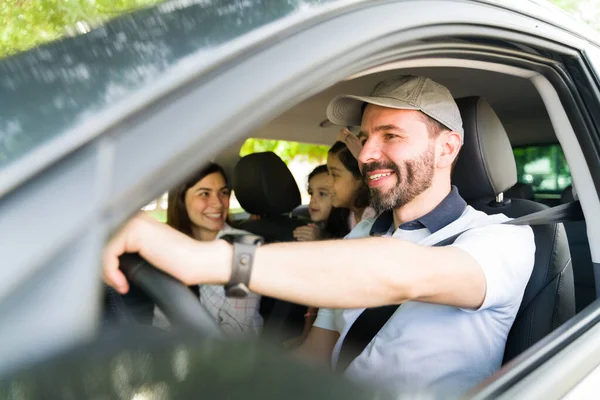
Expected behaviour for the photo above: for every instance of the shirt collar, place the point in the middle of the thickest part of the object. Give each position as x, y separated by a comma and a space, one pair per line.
448, 211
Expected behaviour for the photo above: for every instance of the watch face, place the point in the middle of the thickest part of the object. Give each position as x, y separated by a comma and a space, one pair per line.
238, 290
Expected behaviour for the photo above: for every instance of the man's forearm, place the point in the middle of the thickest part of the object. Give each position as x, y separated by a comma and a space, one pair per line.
350, 273
333, 274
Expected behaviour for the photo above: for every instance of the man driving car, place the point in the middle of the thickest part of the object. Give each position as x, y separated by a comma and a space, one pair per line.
458, 302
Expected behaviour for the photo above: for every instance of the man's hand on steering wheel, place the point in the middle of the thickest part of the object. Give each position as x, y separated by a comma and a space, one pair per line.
168, 250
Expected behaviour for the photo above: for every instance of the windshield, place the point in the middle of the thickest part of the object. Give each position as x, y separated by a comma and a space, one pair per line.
48, 91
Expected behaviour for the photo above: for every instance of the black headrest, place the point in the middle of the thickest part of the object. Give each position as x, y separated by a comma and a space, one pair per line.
569, 195
486, 164
521, 191
264, 185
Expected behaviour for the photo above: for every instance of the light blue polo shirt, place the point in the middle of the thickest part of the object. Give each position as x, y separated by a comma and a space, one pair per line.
437, 348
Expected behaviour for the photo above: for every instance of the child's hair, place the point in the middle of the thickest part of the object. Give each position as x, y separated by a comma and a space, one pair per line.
336, 225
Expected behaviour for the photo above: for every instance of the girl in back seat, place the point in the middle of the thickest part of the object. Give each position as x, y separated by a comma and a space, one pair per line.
327, 222
348, 188
199, 208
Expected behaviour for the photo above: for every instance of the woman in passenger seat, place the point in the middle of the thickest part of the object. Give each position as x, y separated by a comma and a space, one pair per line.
348, 189
327, 222
199, 208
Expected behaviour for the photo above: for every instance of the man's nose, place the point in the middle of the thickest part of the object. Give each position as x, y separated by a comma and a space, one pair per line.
370, 152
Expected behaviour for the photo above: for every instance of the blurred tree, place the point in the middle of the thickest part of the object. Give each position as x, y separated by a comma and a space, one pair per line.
27, 23
287, 151
585, 10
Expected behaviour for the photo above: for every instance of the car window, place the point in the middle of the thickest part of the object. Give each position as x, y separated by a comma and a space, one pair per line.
55, 88
544, 167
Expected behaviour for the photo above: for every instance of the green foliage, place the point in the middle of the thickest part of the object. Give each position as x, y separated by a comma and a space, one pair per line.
544, 167
27, 23
567, 5
287, 151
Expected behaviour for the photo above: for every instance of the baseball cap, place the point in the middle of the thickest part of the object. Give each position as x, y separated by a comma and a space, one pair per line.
405, 92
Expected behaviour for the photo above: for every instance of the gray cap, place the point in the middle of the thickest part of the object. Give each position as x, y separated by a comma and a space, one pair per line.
405, 93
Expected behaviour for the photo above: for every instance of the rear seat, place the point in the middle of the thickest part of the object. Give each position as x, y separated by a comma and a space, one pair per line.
583, 270
264, 186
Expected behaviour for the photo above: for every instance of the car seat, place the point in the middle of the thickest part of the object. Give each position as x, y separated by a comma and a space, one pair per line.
485, 169
583, 269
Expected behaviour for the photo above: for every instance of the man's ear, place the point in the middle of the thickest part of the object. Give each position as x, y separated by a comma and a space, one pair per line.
450, 142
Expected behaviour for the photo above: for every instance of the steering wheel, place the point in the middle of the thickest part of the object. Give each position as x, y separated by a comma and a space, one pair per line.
179, 304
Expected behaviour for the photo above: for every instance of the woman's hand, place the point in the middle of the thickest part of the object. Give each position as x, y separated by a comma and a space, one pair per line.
351, 141
307, 233
186, 259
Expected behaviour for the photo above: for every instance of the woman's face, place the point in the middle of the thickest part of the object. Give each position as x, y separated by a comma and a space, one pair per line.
320, 199
207, 204
344, 186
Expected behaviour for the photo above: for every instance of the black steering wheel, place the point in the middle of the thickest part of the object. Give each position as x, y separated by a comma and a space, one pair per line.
175, 299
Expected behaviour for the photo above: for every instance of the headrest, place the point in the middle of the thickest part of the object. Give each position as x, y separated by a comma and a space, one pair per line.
264, 185
486, 166
520, 191
569, 195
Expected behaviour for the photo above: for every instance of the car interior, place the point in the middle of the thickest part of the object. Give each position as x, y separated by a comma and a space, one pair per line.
500, 113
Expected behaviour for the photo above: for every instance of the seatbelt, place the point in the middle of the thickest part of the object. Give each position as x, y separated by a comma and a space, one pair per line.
371, 320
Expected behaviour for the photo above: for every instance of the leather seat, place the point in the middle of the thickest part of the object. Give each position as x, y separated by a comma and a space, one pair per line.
485, 169
264, 186
520, 191
583, 269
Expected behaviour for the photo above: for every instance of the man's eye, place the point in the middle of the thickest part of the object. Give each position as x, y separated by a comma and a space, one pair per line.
390, 136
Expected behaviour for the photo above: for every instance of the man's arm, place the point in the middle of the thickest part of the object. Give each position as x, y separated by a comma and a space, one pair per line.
335, 274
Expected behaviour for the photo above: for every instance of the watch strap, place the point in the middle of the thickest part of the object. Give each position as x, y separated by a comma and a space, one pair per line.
244, 249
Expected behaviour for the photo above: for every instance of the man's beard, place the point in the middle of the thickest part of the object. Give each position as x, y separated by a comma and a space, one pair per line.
415, 177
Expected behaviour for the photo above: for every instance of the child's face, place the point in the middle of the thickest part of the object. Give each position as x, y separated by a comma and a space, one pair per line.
344, 186
320, 199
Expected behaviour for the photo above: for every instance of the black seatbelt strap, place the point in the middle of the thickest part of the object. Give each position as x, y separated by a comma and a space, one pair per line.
371, 320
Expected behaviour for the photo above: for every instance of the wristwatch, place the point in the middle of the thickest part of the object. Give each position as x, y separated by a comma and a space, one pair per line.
244, 247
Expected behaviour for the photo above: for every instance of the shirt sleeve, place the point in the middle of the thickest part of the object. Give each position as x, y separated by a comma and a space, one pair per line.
325, 319
506, 254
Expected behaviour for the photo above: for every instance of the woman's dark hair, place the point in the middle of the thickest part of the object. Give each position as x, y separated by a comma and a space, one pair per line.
177, 216
351, 164
337, 225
